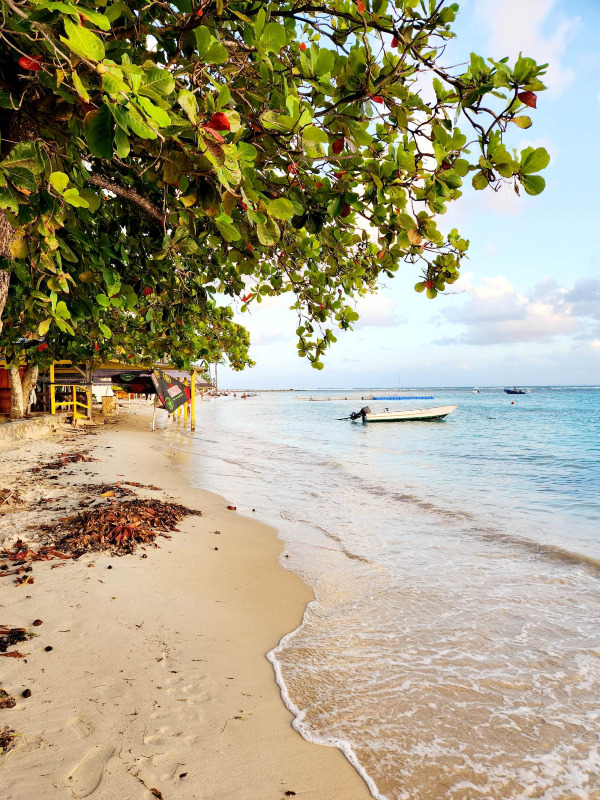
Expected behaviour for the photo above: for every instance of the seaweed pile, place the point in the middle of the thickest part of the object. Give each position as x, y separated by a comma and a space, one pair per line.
118, 528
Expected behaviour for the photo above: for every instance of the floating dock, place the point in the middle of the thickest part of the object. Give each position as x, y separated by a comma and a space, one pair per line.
366, 397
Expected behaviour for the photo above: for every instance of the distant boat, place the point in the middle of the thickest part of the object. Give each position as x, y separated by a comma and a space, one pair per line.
402, 415
514, 390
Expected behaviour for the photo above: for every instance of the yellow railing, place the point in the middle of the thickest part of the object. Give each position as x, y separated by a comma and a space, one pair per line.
73, 403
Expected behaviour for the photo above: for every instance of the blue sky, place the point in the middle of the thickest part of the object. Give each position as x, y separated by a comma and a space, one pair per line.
527, 307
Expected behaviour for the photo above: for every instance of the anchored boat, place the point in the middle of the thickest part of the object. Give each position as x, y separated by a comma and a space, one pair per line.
402, 415
514, 390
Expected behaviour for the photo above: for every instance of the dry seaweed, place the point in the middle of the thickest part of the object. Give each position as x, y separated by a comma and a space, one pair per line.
64, 459
7, 736
10, 498
9, 637
119, 527
143, 485
6, 700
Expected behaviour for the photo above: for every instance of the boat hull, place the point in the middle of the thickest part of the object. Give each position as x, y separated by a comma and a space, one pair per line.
412, 415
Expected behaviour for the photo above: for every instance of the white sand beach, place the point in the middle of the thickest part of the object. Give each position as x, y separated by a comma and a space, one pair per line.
157, 683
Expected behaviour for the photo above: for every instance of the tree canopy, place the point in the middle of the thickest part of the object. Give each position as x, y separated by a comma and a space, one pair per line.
164, 163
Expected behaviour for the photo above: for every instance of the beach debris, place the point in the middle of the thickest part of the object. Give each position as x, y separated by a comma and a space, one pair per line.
216, 548
118, 528
216, 532
232, 508
64, 459
143, 485
26, 693
289, 793
9, 637
48, 648
157, 793
10, 498
7, 700
37, 622
7, 736
108, 489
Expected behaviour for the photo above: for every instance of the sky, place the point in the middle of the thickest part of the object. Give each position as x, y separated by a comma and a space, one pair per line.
526, 310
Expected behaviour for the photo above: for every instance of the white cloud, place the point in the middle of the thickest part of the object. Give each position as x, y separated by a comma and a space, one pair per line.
377, 311
496, 313
537, 28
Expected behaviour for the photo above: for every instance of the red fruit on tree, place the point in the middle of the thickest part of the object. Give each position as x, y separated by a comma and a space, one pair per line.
302, 46
429, 284
395, 41
381, 255
338, 145
219, 122
254, 126
377, 98
361, 6
147, 290
42, 347
32, 63
293, 168
96, 346
346, 209
340, 173
528, 99
319, 185
199, 13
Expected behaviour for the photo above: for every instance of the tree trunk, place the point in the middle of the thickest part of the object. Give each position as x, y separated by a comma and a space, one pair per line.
20, 389
16, 394
29, 381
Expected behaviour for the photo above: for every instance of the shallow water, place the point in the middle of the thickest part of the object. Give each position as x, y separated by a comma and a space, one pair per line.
453, 649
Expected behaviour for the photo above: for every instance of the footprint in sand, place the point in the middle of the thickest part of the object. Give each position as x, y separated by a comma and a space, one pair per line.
86, 777
80, 727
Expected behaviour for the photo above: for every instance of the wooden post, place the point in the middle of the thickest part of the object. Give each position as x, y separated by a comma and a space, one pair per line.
74, 388
52, 390
193, 401
185, 405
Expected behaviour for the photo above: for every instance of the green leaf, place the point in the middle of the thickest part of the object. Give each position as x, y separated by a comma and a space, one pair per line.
105, 330
73, 197
79, 87
187, 100
280, 209
273, 37
23, 179
8, 199
533, 184
479, 181
82, 41
121, 142
535, 160
103, 300
24, 154
522, 122
268, 233
157, 82
99, 133
461, 167
228, 231
156, 113
59, 180
95, 17
324, 63
92, 199
44, 326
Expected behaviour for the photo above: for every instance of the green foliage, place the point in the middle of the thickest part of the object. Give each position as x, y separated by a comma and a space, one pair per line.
190, 156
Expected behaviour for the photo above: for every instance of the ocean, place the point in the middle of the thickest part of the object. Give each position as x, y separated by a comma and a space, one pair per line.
453, 648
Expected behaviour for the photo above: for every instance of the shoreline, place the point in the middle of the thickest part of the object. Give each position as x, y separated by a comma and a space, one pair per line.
200, 715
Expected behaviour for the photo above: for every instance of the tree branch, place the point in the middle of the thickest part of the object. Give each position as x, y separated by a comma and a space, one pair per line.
129, 194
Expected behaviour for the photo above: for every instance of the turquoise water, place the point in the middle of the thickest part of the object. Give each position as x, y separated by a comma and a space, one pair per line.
453, 649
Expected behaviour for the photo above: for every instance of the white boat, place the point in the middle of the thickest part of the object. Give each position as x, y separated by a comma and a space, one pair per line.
402, 415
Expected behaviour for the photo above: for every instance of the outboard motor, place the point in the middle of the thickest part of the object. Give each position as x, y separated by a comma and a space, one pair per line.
360, 414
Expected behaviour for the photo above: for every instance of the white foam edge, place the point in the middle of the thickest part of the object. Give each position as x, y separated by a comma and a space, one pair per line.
299, 724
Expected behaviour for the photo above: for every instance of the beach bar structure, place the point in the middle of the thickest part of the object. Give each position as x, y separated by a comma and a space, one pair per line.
71, 387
